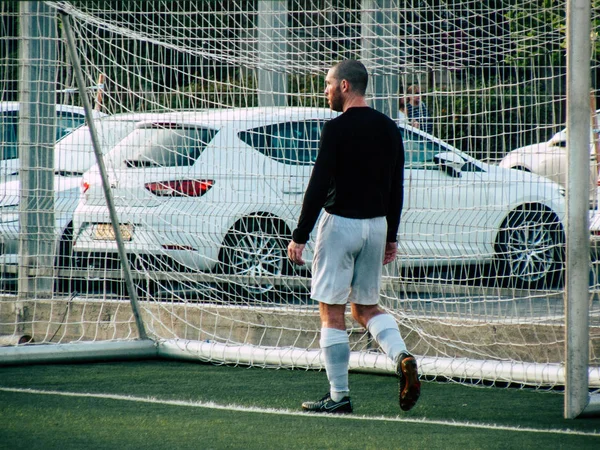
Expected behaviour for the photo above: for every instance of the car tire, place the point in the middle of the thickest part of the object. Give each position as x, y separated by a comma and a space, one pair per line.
530, 250
255, 247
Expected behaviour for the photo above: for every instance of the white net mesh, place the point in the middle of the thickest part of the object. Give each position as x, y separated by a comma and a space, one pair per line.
213, 116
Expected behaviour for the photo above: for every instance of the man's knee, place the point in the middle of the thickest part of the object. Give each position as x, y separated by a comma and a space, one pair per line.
332, 316
363, 313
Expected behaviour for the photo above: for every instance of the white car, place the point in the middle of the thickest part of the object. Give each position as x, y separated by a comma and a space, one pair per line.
74, 154
221, 191
549, 159
68, 118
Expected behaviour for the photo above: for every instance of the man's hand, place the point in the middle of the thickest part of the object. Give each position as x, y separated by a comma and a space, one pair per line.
391, 249
295, 253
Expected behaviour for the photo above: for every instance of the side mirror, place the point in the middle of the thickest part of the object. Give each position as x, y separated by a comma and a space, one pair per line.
450, 163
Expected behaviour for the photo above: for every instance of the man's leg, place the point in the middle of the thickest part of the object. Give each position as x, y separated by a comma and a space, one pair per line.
338, 239
335, 346
384, 329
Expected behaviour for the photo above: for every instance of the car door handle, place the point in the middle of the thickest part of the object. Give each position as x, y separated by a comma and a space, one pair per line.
294, 188
292, 191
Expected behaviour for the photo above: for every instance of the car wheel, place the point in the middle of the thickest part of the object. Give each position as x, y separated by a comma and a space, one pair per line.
255, 248
530, 250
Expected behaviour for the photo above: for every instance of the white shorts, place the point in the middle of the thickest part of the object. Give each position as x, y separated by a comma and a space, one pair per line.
348, 260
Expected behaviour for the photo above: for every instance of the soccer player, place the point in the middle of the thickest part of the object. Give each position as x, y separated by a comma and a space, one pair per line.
358, 180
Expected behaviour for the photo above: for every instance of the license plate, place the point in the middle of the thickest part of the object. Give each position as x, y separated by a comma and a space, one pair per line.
105, 232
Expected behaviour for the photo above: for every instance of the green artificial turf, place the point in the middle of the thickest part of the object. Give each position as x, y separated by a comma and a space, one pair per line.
444, 418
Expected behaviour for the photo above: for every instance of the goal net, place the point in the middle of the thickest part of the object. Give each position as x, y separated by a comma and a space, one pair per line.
209, 116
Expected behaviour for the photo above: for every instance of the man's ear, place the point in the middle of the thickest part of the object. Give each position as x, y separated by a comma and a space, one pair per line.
345, 86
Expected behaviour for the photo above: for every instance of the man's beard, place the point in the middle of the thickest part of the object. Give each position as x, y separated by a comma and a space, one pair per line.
335, 101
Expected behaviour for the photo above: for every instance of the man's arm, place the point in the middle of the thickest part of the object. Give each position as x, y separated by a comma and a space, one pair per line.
391, 249
295, 253
396, 195
317, 189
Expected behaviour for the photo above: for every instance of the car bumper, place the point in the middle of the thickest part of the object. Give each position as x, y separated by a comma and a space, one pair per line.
194, 250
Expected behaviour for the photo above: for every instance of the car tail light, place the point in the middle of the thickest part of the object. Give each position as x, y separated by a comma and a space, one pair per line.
180, 188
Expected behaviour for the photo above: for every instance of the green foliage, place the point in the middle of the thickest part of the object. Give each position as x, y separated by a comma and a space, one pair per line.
495, 116
539, 33
240, 90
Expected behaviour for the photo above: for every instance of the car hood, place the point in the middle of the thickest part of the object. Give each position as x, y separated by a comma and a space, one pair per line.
520, 176
528, 150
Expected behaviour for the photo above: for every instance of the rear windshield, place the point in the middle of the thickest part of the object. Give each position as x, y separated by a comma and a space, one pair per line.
163, 145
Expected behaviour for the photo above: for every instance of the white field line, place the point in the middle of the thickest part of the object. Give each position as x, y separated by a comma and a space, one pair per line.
287, 412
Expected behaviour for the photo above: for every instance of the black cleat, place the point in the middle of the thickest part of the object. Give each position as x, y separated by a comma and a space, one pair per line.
409, 384
327, 405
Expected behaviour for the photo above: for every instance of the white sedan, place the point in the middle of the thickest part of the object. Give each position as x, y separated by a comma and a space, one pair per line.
221, 191
549, 159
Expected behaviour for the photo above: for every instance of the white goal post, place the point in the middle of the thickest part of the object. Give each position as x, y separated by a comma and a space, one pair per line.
159, 227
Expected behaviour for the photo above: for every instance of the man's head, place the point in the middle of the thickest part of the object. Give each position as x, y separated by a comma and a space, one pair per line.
345, 81
413, 95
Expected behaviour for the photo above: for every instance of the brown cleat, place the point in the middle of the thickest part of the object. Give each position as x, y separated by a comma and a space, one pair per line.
409, 384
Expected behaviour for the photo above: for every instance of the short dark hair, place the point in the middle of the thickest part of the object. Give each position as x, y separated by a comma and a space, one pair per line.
355, 73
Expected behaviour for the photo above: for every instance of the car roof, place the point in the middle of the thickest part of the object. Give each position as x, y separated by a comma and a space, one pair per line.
16, 106
244, 118
146, 116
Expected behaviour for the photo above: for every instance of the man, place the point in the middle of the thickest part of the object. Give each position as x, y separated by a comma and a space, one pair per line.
416, 110
358, 179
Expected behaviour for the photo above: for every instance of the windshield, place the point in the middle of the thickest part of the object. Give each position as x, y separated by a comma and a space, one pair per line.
418, 150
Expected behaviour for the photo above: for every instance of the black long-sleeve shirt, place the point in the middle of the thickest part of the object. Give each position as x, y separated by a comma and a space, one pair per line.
358, 173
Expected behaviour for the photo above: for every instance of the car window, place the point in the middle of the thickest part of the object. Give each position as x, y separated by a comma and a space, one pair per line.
8, 135
165, 145
294, 143
419, 151
66, 122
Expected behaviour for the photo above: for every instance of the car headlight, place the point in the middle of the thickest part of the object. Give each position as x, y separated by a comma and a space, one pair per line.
9, 213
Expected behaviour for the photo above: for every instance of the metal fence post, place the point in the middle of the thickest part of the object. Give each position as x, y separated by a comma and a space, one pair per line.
37, 134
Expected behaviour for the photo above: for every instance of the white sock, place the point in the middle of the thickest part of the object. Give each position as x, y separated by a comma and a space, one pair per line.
335, 345
384, 329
